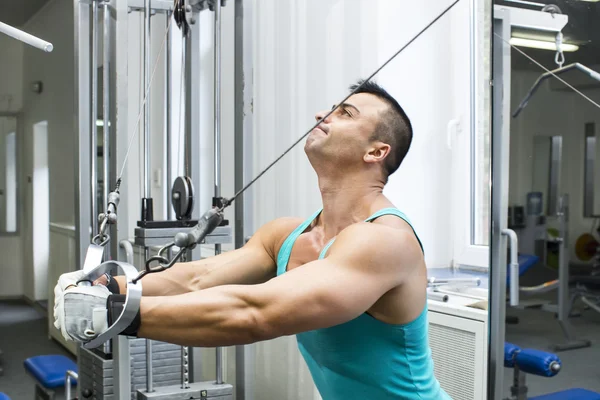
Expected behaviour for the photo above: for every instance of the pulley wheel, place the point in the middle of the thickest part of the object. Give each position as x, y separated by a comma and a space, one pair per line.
182, 197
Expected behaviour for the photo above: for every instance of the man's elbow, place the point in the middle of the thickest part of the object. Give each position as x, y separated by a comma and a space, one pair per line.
260, 327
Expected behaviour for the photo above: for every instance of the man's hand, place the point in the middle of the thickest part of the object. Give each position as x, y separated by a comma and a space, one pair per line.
65, 281
81, 313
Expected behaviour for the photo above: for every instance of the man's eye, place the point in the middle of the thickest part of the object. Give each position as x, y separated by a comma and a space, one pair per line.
347, 112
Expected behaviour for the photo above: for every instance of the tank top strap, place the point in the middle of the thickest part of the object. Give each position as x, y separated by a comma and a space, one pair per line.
382, 212
283, 257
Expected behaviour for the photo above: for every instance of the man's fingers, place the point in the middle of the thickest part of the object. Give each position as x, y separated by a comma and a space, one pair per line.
103, 280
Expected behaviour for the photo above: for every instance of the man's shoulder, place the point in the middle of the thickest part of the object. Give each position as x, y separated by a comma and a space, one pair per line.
273, 233
389, 243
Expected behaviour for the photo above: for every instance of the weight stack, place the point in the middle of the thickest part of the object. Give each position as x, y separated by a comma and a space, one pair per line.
96, 369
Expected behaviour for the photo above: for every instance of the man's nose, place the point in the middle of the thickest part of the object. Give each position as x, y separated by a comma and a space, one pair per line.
320, 115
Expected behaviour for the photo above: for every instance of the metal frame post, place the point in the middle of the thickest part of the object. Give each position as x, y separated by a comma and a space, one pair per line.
83, 212
193, 131
105, 113
119, 140
94, 118
217, 146
244, 355
500, 175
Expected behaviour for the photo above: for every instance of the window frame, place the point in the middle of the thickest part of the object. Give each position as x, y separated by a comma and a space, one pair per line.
466, 252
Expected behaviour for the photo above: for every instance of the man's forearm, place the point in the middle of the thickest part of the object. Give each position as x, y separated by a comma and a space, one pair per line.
222, 316
178, 279
243, 266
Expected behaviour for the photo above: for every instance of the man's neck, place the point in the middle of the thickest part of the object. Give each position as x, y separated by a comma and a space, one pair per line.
347, 201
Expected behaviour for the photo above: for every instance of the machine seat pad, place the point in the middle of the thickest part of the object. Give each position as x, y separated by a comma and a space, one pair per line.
50, 370
570, 394
4, 397
510, 350
537, 362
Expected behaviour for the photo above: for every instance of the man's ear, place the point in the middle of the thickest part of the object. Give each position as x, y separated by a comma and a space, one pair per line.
377, 152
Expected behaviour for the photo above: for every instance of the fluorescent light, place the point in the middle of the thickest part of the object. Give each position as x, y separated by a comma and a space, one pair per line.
540, 44
100, 122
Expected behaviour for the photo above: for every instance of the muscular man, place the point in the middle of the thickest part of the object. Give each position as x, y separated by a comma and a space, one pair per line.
349, 281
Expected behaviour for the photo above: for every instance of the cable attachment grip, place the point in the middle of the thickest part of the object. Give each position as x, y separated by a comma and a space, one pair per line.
108, 218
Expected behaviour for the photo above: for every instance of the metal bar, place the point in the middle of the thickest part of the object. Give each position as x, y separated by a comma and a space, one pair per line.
528, 3
82, 14
589, 169
500, 174
26, 37
244, 355
217, 155
168, 118
555, 169
473, 106
106, 112
185, 98
157, 5
217, 100
149, 367
149, 364
514, 266
119, 56
70, 374
563, 263
128, 248
146, 150
94, 119
195, 134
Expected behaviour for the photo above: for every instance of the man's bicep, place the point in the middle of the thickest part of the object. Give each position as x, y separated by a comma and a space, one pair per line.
317, 295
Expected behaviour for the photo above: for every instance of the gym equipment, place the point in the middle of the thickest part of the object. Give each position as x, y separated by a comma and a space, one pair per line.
51, 374
539, 363
587, 248
4, 396
184, 233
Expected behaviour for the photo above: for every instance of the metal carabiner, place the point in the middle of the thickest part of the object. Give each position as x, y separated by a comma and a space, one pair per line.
100, 239
559, 57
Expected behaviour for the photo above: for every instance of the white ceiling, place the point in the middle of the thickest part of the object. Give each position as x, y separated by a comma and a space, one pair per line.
17, 12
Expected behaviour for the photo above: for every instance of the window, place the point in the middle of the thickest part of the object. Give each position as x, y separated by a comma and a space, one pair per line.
473, 166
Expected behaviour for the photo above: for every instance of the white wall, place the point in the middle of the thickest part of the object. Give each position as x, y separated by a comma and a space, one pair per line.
551, 113
55, 105
11, 100
11, 74
12, 283
305, 56
304, 62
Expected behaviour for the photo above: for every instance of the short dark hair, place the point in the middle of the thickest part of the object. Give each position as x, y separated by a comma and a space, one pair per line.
394, 128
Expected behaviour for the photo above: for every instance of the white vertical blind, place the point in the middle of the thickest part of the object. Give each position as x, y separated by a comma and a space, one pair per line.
306, 54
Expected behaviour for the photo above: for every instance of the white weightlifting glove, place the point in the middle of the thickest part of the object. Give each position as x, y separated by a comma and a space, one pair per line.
81, 314
65, 281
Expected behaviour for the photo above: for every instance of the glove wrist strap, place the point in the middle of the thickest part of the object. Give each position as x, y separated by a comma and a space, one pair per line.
114, 306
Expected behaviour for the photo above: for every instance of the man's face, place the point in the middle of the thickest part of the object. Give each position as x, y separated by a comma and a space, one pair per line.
343, 138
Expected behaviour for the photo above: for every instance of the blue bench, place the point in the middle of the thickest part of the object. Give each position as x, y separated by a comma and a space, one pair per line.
51, 374
540, 363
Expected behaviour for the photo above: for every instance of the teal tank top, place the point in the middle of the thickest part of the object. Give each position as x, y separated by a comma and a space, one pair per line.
366, 358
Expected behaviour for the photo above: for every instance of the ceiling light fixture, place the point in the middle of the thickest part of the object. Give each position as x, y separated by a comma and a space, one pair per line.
540, 44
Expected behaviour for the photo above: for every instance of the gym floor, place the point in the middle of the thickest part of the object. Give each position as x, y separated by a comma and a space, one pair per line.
540, 330
24, 333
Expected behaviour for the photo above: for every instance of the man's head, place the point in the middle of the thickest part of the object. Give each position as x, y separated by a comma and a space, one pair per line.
369, 131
